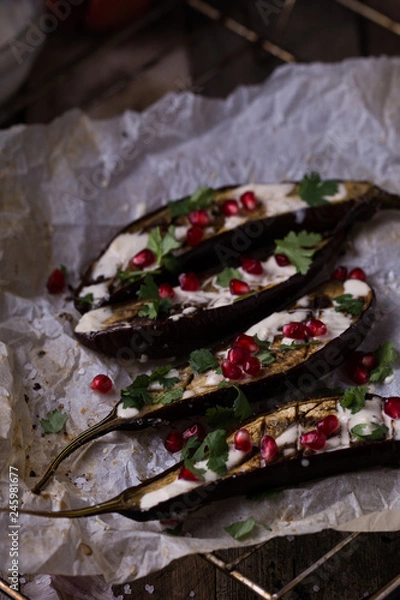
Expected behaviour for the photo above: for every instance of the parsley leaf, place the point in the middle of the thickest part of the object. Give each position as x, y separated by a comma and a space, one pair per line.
86, 299
202, 198
148, 289
262, 344
241, 405
354, 398
190, 447
241, 529
129, 277
347, 303
171, 395
216, 445
54, 421
161, 244
370, 431
386, 355
264, 355
202, 360
313, 190
294, 346
136, 395
220, 416
159, 375
154, 305
298, 248
225, 276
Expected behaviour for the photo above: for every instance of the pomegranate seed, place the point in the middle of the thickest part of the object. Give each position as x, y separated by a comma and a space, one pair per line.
252, 265
252, 366
282, 260
194, 236
328, 425
196, 429
56, 282
238, 287
391, 407
189, 282
238, 355
316, 327
296, 330
315, 440
166, 291
101, 383
339, 273
201, 218
248, 201
242, 440
231, 371
230, 208
360, 375
368, 360
247, 342
269, 449
187, 475
174, 441
357, 273
144, 258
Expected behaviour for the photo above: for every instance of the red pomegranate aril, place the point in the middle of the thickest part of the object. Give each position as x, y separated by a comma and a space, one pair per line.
315, 440
194, 236
56, 282
231, 371
237, 287
252, 366
357, 273
189, 282
230, 208
242, 440
248, 201
359, 375
391, 407
252, 265
282, 260
368, 360
247, 342
328, 425
195, 429
269, 449
187, 475
316, 327
101, 383
238, 356
201, 218
144, 258
166, 291
296, 331
174, 441
339, 273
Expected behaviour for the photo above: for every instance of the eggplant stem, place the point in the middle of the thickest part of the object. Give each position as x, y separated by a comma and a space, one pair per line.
109, 506
105, 426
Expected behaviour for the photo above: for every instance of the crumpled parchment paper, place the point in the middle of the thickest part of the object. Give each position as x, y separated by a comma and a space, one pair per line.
66, 188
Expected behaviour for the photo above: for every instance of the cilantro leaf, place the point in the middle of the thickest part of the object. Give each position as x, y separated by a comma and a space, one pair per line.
241, 529
313, 190
294, 346
190, 447
148, 289
347, 303
86, 299
149, 310
241, 405
189, 465
159, 375
370, 431
386, 355
171, 395
154, 305
224, 277
262, 344
220, 416
298, 248
202, 360
129, 277
54, 421
264, 355
202, 198
354, 398
136, 395
162, 245
216, 445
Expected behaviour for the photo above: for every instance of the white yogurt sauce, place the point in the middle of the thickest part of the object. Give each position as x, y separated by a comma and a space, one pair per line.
356, 287
99, 291
119, 252
289, 436
94, 320
126, 413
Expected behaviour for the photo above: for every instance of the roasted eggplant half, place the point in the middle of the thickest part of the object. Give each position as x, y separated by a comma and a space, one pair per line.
206, 309
302, 441
284, 351
214, 226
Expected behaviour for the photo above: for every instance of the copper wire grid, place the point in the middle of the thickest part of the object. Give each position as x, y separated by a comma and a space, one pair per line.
231, 569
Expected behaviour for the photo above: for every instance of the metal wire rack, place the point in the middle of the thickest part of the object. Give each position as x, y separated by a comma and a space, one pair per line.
392, 589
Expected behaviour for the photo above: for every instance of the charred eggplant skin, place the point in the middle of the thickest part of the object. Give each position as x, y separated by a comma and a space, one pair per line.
251, 235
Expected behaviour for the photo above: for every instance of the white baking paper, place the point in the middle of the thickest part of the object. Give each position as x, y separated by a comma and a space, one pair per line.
66, 188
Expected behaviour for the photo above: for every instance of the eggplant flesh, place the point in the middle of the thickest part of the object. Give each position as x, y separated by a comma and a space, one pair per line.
170, 495
226, 237
301, 366
118, 331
